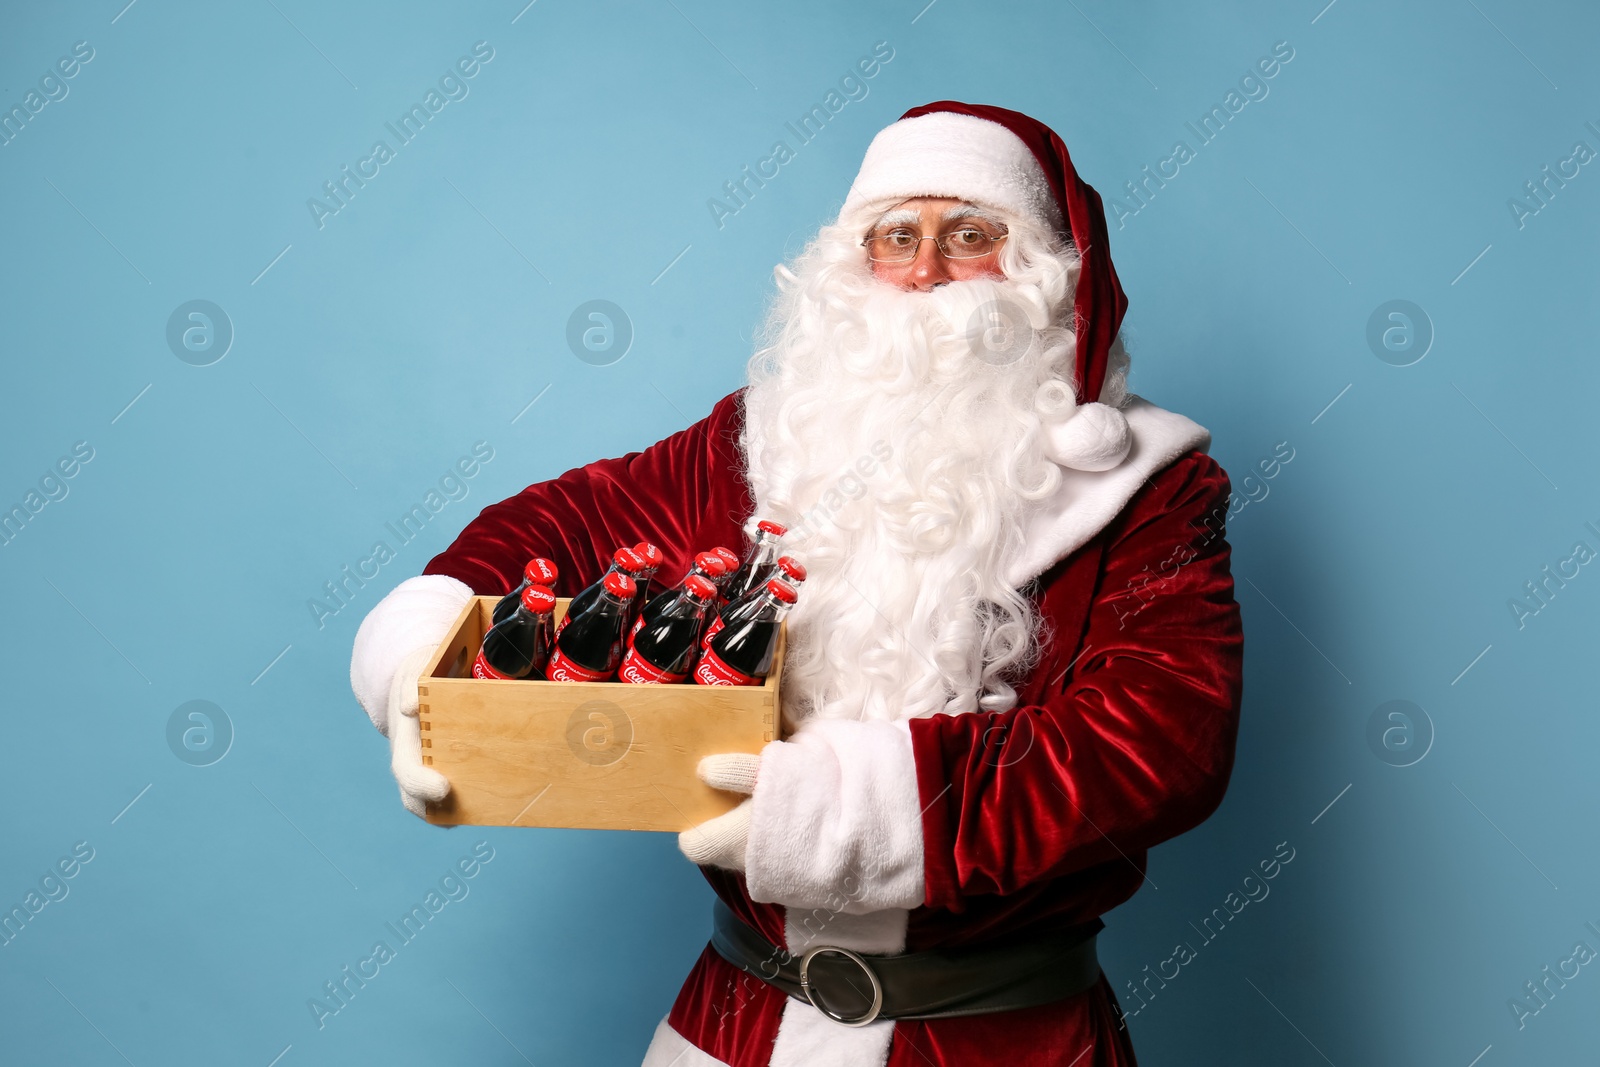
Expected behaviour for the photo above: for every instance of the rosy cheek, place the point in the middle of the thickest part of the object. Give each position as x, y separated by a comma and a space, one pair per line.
891, 274
985, 269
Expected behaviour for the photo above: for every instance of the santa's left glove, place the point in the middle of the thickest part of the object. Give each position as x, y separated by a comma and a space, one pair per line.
722, 841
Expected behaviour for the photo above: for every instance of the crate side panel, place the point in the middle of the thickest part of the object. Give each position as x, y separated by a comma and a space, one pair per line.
606, 756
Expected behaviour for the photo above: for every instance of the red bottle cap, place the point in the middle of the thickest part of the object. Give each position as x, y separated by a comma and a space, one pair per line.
792, 567
540, 571
628, 560
783, 591
772, 528
649, 553
619, 584
703, 588
538, 599
729, 560
712, 564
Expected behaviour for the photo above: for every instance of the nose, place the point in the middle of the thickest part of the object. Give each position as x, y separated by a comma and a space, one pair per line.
928, 269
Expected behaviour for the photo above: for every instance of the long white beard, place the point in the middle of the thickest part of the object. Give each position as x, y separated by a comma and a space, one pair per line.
905, 452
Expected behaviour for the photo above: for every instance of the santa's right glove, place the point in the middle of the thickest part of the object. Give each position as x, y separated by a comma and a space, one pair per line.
418, 783
392, 648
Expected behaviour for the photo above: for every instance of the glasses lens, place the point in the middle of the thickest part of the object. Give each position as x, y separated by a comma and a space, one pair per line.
966, 244
895, 247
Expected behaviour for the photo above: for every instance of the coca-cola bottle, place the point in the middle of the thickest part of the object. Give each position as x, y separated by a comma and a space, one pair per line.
624, 561
652, 563
714, 565
539, 571
730, 567
664, 650
758, 562
519, 647
589, 647
707, 565
741, 654
788, 568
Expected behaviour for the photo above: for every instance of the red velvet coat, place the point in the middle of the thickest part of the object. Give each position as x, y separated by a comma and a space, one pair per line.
1129, 724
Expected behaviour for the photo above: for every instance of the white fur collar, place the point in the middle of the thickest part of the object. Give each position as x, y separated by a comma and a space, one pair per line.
1088, 500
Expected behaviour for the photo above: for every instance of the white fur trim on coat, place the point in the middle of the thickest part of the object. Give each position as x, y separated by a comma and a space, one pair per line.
837, 822
1088, 500
806, 1036
668, 1048
960, 156
417, 613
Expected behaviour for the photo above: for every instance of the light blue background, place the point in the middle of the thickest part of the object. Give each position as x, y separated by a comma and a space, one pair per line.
426, 315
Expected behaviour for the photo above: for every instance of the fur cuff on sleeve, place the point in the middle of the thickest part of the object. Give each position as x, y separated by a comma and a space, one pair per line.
417, 613
836, 816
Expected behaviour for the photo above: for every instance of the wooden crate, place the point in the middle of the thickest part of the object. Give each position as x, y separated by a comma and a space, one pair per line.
600, 755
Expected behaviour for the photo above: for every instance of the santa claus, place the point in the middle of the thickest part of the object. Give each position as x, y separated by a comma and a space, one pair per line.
1015, 665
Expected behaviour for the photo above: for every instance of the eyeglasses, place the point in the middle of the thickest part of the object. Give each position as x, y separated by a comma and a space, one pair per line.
902, 245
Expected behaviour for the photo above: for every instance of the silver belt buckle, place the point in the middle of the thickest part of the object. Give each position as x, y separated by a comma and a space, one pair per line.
877, 987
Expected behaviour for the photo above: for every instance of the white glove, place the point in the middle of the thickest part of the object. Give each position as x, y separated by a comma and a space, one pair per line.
392, 648
722, 841
418, 783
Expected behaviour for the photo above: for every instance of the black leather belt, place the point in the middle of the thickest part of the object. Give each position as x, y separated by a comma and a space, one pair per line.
855, 988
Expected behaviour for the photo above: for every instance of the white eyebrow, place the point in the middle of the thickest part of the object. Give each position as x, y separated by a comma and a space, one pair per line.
971, 211
910, 217
899, 217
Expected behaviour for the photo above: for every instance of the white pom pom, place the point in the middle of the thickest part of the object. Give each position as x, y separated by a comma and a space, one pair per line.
1095, 437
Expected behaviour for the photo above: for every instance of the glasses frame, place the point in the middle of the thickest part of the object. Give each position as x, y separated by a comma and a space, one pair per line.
938, 243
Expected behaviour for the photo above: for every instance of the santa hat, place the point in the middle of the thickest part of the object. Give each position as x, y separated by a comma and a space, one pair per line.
1004, 159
